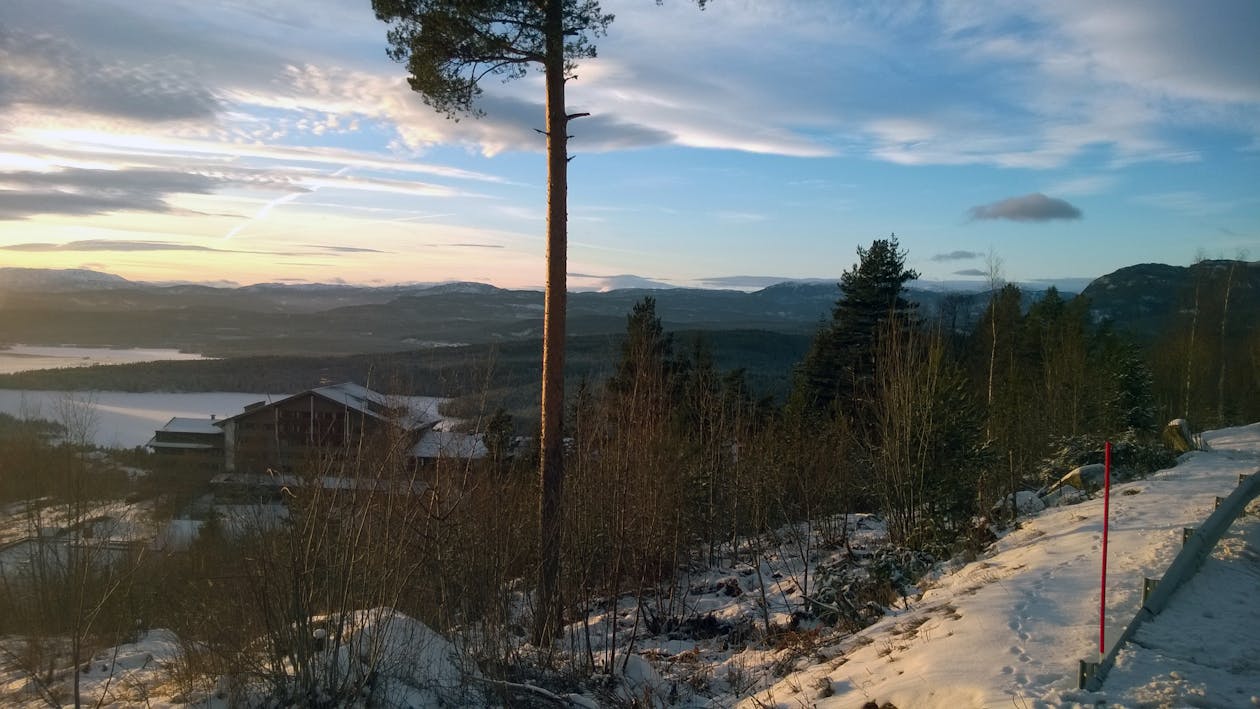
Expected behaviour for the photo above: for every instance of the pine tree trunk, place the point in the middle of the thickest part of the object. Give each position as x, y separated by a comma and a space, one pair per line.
548, 618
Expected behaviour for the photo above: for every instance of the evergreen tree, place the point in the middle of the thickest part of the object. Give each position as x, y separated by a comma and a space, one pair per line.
498, 437
449, 46
841, 364
645, 353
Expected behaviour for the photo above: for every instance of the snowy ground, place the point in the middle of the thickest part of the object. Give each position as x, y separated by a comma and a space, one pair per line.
1010, 628
1007, 629
126, 419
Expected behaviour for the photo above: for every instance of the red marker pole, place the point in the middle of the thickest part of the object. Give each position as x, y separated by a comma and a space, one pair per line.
1102, 595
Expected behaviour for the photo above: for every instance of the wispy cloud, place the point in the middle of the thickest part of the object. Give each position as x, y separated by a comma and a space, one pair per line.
89, 191
740, 217
970, 272
1035, 207
126, 245
110, 245
48, 72
615, 282
757, 281
346, 249
957, 256
1086, 185
1188, 202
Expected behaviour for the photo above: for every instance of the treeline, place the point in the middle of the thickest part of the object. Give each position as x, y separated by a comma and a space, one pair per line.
891, 410
506, 373
1206, 362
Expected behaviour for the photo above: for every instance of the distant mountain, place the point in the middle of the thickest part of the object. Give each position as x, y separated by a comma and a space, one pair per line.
57, 280
1146, 299
90, 308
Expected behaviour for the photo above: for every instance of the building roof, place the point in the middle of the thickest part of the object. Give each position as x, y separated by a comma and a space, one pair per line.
356, 397
450, 444
181, 424
382, 407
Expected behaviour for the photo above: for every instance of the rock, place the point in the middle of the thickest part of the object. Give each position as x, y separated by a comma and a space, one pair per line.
1027, 502
640, 683
1177, 436
1087, 477
1064, 495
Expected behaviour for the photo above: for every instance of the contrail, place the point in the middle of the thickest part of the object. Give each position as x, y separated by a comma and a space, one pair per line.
266, 208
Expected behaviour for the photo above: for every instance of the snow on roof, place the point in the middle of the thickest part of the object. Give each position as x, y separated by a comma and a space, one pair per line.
411, 412
450, 444
181, 424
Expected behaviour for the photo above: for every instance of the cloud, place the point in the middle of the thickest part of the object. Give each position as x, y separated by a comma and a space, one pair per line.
742, 281
129, 245
46, 72
1011, 85
93, 191
740, 217
1188, 202
346, 249
617, 282
109, 245
970, 272
1035, 207
1087, 185
957, 256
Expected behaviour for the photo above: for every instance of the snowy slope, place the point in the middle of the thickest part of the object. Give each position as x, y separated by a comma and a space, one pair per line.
1010, 628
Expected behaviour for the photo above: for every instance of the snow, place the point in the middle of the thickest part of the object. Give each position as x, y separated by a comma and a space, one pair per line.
1201, 650
1009, 629
1005, 629
450, 444
182, 424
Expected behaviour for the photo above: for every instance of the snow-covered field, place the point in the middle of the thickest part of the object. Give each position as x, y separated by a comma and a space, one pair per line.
1009, 629
126, 419
26, 358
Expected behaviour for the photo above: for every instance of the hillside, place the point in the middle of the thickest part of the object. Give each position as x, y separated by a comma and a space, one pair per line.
1147, 299
1005, 629
52, 308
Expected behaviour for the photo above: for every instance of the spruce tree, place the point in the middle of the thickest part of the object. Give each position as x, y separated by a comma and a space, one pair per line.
841, 363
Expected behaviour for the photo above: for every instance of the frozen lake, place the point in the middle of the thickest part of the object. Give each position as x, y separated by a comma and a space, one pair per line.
26, 358
127, 419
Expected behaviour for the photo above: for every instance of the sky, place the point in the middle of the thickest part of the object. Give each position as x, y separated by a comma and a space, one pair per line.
747, 143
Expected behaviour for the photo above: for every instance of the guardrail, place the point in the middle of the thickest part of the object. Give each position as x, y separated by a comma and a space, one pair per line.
1197, 545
